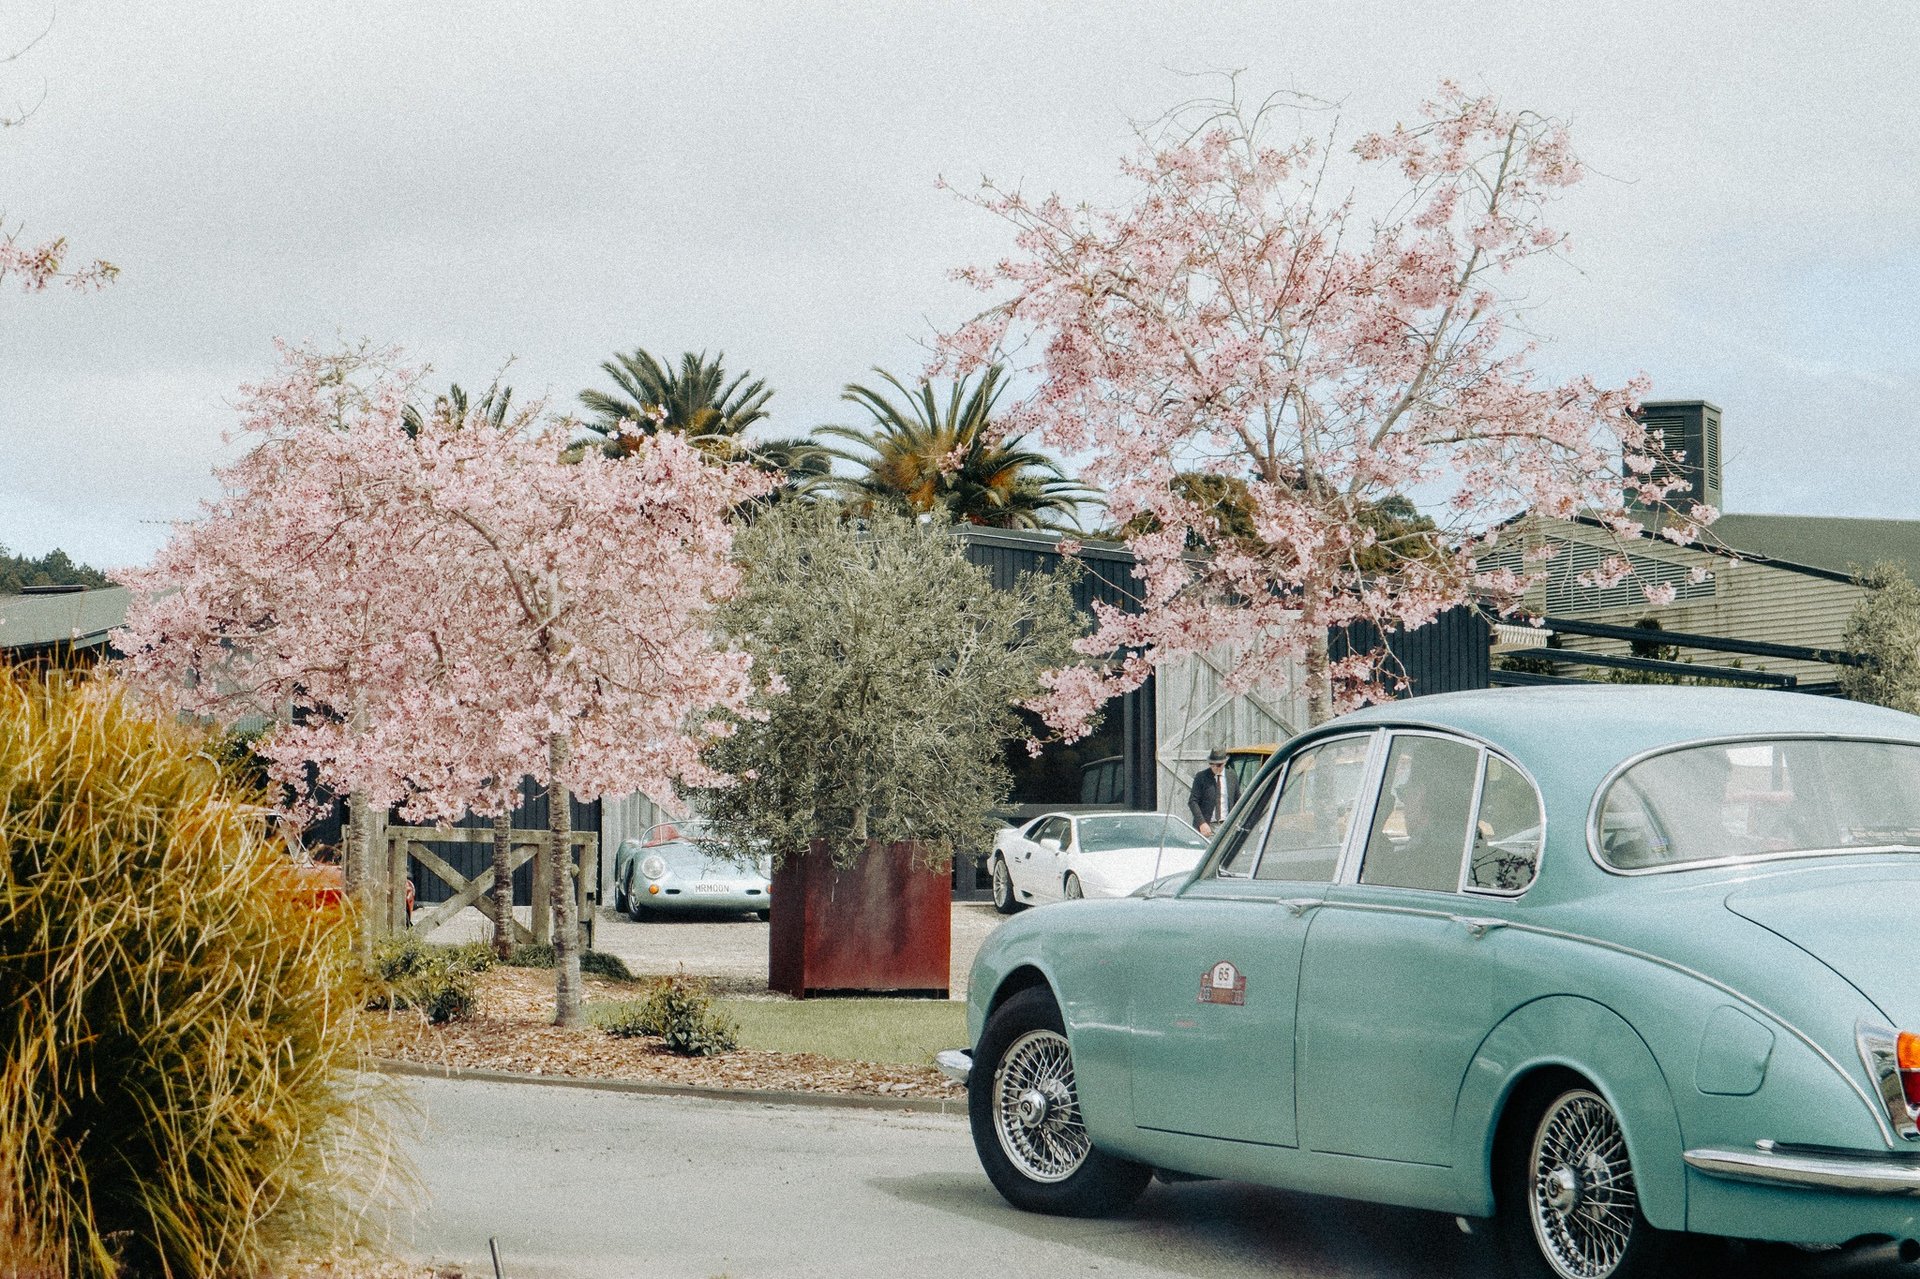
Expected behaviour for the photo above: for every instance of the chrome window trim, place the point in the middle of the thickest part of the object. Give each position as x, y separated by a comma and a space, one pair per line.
1211, 863
1260, 854
1539, 853
1349, 875
1346, 871
1613, 775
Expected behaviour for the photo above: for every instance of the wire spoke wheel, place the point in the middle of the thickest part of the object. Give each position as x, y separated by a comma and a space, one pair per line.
1002, 886
1036, 1112
1580, 1194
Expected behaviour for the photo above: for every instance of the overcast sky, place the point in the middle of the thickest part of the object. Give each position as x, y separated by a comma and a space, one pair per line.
557, 182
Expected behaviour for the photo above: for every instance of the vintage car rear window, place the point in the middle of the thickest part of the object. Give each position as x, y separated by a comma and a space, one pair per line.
1735, 801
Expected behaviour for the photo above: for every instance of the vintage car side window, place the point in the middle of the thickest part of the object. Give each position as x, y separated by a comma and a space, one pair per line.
1314, 811
1730, 801
1419, 832
1051, 828
1507, 833
1241, 840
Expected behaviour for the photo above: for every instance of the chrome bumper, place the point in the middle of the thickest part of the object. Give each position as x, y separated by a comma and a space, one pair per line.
955, 1063
1770, 1164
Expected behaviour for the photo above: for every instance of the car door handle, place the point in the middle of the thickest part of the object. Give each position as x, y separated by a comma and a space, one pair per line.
1479, 926
1298, 906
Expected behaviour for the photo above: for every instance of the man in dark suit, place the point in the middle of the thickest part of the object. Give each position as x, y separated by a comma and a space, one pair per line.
1214, 793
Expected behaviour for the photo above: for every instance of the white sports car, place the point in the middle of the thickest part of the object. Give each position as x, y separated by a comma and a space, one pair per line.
1060, 856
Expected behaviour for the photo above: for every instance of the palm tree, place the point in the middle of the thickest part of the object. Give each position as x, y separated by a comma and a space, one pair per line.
933, 456
697, 402
802, 468
491, 411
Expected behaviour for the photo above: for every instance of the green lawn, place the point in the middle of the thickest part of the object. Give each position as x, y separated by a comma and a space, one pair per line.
889, 1030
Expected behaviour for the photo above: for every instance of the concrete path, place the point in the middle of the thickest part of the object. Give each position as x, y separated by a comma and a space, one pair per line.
589, 1185
733, 950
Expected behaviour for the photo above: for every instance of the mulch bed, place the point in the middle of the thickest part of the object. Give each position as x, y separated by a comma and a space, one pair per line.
512, 1029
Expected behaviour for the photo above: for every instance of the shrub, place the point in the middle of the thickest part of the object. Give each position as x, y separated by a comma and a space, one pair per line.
436, 981
680, 1012
601, 964
178, 1084
528, 955
597, 962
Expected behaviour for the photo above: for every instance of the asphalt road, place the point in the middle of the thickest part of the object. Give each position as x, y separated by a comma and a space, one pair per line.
587, 1184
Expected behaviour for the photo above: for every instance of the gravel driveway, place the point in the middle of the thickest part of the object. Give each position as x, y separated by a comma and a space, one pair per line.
733, 951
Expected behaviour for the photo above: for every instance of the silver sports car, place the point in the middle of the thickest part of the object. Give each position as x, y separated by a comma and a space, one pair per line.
673, 870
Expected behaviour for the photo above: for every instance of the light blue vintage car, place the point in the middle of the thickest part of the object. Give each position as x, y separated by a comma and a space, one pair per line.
1604, 965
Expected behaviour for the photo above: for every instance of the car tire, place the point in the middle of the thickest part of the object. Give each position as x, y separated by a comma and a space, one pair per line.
1566, 1206
1003, 899
1072, 889
635, 911
1025, 1115
619, 896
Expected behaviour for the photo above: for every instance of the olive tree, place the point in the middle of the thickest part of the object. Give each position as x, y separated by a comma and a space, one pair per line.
1885, 627
898, 668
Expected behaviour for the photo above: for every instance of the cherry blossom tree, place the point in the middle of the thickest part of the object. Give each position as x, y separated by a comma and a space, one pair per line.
1339, 354
35, 265
449, 606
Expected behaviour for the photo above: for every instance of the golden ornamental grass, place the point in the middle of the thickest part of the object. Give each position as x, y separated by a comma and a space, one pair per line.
178, 1037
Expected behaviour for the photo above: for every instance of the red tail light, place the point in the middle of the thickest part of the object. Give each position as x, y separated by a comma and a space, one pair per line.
1907, 1056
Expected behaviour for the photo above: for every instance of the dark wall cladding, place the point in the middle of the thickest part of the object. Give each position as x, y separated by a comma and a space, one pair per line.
1448, 655
470, 859
1063, 774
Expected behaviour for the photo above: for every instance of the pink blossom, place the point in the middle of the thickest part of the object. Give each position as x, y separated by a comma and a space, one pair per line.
1233, 318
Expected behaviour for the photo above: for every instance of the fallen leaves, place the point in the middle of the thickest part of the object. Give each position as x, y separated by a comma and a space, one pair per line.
511, 1030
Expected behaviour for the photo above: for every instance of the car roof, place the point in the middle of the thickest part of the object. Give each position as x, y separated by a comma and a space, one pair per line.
1615, 722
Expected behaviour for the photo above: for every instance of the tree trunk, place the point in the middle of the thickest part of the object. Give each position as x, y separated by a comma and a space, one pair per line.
1319, 692
566, 919
503, 884
358, 880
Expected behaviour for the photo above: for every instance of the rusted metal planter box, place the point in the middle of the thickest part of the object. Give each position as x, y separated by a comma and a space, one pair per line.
884, 925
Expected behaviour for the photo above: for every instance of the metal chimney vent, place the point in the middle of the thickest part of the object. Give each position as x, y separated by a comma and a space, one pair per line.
1690, 428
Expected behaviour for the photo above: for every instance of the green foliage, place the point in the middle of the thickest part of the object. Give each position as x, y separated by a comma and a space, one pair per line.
494, 410
697, 401
55, 568
597, 963
680, 1012
902, 664
179, 1085
902, 1031
949, 459
436, 981
528, 955
1885, 627
1399, 533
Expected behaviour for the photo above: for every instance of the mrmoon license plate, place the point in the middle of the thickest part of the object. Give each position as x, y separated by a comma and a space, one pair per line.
711, 888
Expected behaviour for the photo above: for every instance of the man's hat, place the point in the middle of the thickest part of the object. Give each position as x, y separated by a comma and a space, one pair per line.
1216, 756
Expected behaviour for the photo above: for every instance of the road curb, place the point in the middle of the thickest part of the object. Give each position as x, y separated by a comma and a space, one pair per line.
759, 1096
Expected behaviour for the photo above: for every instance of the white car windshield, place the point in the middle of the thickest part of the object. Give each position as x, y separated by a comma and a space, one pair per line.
1137, 830
1732, 801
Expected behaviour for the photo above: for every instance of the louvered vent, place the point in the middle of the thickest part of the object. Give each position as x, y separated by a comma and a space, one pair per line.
1691, 429
1567, 596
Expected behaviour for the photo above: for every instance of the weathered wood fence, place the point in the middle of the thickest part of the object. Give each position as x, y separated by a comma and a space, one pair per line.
404, 842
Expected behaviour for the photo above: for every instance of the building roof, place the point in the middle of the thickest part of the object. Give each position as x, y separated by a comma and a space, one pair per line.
81, 619
1837, 544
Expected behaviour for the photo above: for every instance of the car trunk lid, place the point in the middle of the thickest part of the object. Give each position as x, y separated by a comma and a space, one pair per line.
1857, 919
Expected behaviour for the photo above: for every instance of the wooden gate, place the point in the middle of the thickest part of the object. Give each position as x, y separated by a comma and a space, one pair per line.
404, 842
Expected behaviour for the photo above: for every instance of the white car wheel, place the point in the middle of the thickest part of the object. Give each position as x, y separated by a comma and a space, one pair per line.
1003, 898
